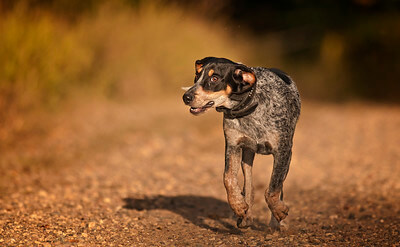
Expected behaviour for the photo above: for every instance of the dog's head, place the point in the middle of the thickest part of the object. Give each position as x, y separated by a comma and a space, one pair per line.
215, 80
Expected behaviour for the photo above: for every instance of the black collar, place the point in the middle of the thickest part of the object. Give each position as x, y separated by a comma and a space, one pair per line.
245, 106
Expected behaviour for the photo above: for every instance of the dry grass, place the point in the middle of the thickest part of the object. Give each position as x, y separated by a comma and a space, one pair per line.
116, 52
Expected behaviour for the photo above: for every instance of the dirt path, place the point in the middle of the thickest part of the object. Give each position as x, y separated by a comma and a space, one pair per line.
151, 175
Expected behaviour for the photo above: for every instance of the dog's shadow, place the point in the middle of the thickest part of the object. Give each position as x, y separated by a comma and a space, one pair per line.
199, 210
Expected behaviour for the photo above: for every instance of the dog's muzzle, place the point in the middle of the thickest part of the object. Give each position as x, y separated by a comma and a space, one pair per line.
198, 110
188, 98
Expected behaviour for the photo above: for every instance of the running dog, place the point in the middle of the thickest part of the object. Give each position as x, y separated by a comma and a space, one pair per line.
261, 107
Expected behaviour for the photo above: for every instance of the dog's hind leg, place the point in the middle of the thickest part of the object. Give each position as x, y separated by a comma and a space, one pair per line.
234, 193
279, 210
247, 165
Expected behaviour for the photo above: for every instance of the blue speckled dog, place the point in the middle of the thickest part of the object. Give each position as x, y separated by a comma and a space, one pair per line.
261, 107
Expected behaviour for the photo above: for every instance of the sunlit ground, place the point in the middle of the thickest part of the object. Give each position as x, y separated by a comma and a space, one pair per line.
150, 173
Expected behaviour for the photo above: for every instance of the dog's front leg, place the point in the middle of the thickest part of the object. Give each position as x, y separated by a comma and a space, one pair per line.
232, 165
247, 165
278, 208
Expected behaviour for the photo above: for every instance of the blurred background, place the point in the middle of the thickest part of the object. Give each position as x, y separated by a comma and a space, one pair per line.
53, 50
58, 56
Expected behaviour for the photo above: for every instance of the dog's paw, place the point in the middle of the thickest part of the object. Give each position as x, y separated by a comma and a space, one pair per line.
278, 208
244, 222
240, 209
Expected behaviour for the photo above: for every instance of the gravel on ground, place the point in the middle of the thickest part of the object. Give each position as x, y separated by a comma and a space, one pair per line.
150, 174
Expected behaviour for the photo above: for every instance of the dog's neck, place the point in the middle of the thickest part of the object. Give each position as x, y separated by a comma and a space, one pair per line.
243, 104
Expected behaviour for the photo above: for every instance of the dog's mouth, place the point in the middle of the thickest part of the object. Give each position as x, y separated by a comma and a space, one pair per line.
198, 110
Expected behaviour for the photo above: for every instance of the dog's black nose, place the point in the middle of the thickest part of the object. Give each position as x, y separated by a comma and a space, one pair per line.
187, 98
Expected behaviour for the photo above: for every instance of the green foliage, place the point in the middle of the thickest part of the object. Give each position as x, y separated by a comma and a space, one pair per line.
117, 51
39, 59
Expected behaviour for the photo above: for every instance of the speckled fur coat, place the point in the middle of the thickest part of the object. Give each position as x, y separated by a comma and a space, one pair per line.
261, 107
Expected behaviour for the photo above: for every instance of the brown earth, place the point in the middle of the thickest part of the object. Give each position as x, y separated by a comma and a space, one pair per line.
150, 174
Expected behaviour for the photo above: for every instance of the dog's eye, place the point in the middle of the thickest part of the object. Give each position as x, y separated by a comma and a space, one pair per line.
214, 78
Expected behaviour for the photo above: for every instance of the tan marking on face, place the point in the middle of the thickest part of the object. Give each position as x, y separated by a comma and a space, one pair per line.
199, 68
210, 94
202, 97
211, 72
228, 90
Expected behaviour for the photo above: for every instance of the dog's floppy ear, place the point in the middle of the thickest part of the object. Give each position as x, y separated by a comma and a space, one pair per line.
199, 64
243, 77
